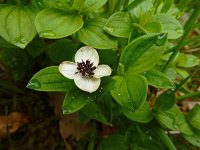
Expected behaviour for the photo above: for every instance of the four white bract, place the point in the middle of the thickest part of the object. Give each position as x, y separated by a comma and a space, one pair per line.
85, 70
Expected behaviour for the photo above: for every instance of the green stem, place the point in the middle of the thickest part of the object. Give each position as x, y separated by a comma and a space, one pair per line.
188, 26
196, 25
186, 42
191, 95
186, 79
168, 63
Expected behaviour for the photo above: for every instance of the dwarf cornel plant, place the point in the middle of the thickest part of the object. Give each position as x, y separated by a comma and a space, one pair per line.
119, 62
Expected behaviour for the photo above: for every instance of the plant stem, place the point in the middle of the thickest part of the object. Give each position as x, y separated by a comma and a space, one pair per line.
186, 79
191, 95
184, 43
188, 26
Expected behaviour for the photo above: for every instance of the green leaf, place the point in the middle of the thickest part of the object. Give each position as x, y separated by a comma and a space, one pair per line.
108, 57
61, 50
120, 69
6, 44
105, 86
93, 34
119, 25
194, 117
93, 111
60, 4
142, 137
87, 6
153, 27
174, 119
105, 103
165, 138
50, 79
54, 23
74, 100
136, 32
142, 114
193, 139
165, 101
113, 142
116, 5
158, 79
143, 53
142, 8
18, 24
166, 6
170, 25
130, 91
187, 60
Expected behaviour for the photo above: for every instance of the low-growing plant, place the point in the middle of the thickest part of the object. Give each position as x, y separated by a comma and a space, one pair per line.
124, 63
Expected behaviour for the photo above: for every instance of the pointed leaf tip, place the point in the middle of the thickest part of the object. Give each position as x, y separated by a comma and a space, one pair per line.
33, 84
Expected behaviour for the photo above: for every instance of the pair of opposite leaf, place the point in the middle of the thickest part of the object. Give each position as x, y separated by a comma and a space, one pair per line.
85, 71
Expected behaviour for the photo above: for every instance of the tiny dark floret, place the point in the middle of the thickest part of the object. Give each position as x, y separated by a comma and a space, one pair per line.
86, 68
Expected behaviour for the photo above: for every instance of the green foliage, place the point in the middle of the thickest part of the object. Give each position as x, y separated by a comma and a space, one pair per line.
194, 118
119, 25
151, 51
130, 91
70, 23
170, 25
93, 34
158, 79
193, 139
93, 111
113, 142
17, 24
87, 6
143, 53
165, 101
74, 101
49, 79
142, 114
174, 119
62, 53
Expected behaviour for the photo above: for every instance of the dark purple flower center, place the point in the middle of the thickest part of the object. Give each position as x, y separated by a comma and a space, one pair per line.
86, 68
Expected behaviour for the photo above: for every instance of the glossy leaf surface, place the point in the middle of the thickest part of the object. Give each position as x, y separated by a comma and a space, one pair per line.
87, 6
119, 25
142, 115
93, 34
130, 91
143, 53
74, 100
158, 79
54, 23
17, 24
50, 79
174, 119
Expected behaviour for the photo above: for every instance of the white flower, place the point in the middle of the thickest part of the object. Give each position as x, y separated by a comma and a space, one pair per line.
85, 71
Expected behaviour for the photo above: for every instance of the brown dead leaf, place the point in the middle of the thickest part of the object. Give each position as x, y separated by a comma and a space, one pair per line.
187, 105
70, 125
107, 130
10, 123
